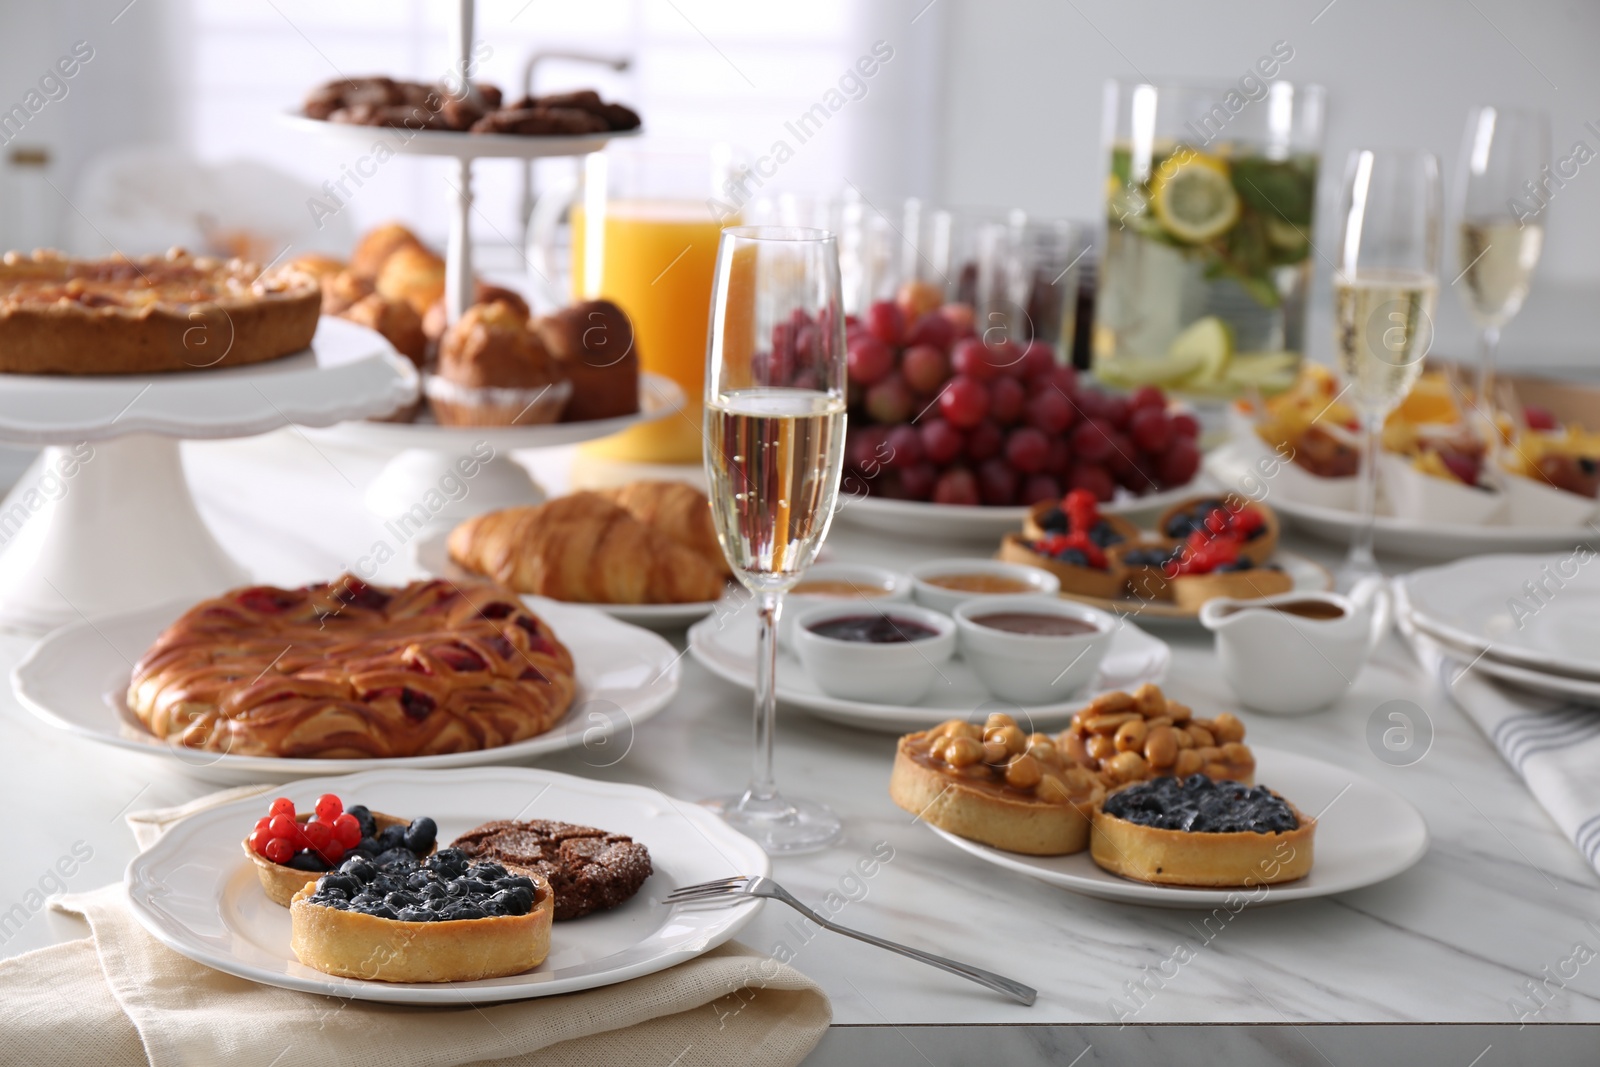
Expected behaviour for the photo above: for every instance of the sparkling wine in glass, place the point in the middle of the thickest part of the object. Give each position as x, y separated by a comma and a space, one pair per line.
774, 429
1385, 287
1498, 235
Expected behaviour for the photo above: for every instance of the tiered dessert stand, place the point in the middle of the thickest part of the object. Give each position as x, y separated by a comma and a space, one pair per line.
104, 522
429, 452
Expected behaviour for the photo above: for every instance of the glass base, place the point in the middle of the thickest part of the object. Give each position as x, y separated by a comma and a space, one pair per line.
779, 825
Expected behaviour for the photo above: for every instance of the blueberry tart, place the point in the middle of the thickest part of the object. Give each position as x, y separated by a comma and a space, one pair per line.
1253, 525
996, 785
1197, 831
1082, 567
444, 919
1078, 511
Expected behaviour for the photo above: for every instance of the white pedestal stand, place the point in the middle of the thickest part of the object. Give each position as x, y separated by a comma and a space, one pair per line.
105, 522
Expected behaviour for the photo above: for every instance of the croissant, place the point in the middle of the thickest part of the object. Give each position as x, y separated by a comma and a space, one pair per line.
678, 510
585, 549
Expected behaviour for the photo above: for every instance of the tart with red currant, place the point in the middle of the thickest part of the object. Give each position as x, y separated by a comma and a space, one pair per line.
1082, 566
1208, 566
1143, 565
1078, 511
1253, 525
290, 849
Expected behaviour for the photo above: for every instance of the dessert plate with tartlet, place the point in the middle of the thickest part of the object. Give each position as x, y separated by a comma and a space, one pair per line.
198, 894
1365, 834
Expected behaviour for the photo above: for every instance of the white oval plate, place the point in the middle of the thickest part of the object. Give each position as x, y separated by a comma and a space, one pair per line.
725, 643
1423, 540
1544, 683
1365, 835
1470, 603
923, 521
75, 679
198, 895
659, 398
431, 553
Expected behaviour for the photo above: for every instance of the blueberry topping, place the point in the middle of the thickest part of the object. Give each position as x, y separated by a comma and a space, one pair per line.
391, 837
420, 835
1147, 557
1234, 565
445, 887
1199, 805
1053, 521
369, 825
1073, 556
307, 861
1105, 535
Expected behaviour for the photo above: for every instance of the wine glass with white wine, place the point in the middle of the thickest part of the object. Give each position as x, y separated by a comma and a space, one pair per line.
1498, 242
1385, 286
774, 428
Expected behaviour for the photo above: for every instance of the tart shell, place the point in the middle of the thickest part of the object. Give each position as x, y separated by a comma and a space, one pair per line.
1142, 583
1030, 826
1258, 550
1191, 591
281, 883
356, 945
1179, 857
1083, 581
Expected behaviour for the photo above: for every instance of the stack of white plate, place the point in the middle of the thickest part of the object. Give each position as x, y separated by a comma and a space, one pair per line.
1531, 621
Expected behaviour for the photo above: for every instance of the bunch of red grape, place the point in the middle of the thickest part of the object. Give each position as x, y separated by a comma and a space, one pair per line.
939, 413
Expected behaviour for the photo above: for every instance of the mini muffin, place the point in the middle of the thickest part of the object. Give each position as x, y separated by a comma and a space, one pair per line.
412, 274
395, 320
494, 371
377, 246
342, 290
594, 343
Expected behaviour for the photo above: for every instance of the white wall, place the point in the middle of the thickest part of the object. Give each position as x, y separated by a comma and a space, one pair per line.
1022, 100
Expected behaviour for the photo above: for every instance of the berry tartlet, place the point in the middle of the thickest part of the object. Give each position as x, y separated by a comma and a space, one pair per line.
1196, 831
1143, 565
444, 919
996, 785
1208, 566
1081, 566
290, 849
1077, 512
1128, 737
1253, 525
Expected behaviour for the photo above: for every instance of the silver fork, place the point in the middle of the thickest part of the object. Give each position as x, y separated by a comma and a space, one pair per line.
729, 891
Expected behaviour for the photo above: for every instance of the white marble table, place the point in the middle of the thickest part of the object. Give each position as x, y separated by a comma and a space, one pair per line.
1456, 940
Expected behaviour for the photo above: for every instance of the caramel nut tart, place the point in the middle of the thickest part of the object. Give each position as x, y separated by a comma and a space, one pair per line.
996, 785
1195, 831
1080, 566
442, 920
175, 312
289, 849
1128, 737
346, 669
1253, 525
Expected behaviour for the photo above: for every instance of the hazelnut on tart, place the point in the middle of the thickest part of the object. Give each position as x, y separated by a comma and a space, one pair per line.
444, 919
996, 785
1128, 737
1196, 831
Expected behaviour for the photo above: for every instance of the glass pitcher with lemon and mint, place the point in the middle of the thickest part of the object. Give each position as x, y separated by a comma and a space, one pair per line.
1210, 214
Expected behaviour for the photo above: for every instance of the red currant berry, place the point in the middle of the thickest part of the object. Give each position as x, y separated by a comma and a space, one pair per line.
278, 851
282, 806
317, 834
333, 853
284, 828
264, 823
258, 842
329, 807
346, 830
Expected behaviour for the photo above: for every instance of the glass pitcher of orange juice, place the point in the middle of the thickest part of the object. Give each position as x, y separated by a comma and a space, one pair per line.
644, 226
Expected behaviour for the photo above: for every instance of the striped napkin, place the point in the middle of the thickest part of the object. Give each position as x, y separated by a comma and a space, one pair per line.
1552, 743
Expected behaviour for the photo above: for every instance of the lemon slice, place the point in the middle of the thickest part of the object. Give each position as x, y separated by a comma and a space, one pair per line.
1270, 372
1206, 343
1193, 199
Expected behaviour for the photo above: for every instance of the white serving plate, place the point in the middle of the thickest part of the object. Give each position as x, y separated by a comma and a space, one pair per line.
75, 679
1425, 540
196, 892
431, 552
1560, 686
1365, 835
1469, 604
923, 521
659, 398
455, 143
725, 645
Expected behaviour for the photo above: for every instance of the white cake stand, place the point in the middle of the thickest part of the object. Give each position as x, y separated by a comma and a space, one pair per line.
105, 522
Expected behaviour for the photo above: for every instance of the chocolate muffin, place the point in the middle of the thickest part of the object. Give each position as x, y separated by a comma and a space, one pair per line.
589, 869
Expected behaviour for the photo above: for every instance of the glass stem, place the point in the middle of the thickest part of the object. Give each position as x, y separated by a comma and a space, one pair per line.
762, 786
1488, 345
1367, 490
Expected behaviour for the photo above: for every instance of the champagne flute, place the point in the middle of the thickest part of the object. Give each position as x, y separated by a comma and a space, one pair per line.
1499, 236
774, 427
1385, 285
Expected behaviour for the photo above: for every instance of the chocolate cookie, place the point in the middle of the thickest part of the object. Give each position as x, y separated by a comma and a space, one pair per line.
589, 869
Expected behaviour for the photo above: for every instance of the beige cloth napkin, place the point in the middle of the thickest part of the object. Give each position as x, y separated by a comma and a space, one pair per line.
120, 997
